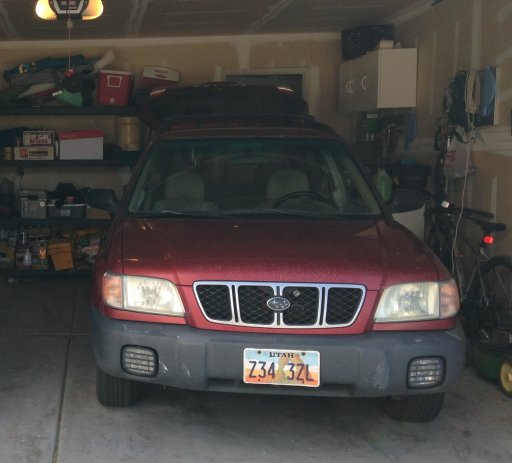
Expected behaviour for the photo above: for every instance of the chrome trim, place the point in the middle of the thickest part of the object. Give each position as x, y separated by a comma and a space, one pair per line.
277, 288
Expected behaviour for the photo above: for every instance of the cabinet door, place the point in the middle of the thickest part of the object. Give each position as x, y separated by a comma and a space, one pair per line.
379, 80
365, 77
345, 88
397, 78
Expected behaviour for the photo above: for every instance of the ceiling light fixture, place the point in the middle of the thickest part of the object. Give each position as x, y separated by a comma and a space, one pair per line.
65, 9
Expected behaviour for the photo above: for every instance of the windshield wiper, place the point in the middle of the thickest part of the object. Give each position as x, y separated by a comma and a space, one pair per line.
280, 212
169, 213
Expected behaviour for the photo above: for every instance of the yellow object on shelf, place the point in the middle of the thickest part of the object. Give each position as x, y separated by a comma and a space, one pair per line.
61, 254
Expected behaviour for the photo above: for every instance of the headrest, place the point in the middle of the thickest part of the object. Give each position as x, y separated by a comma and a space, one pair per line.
185, 185
286, 181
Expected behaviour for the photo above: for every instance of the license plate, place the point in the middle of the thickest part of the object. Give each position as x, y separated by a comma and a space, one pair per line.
282, 367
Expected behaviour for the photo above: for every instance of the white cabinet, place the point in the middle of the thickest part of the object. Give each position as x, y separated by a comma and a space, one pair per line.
380, 79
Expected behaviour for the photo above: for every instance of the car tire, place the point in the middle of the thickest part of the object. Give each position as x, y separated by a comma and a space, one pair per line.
115, 392
414, 408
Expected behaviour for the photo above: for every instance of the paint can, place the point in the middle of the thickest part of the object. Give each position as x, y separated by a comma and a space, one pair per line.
8, 153
128, 133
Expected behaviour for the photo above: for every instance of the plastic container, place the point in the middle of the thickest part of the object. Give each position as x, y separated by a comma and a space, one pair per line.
128, 133
384, 183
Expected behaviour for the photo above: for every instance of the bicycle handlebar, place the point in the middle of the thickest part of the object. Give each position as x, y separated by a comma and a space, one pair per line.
466, 211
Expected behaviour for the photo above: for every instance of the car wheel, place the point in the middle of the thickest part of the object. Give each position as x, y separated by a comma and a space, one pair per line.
506, 377
414, 408
115, 392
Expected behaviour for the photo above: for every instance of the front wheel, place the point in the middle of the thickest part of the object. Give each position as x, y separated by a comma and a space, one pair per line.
506, 377
414, 408
115, 392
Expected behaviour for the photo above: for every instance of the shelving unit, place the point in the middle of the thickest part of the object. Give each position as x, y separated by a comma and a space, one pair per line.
116, 160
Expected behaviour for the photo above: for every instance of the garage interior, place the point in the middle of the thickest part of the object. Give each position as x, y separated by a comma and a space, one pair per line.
50, 412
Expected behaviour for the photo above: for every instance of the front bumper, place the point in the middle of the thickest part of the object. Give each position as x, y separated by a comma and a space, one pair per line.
368, 365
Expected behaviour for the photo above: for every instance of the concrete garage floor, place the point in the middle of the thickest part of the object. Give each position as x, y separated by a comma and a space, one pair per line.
49, 412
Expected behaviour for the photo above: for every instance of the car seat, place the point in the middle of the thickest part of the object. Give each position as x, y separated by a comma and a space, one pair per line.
284, 182
184, 191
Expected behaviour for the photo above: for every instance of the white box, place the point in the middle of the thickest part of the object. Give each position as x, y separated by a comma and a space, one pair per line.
38, 137
34, 153
81, 144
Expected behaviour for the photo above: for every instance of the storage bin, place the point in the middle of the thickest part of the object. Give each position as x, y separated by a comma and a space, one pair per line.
33, 204
75, 211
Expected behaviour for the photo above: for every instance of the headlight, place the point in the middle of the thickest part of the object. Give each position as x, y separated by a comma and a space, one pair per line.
142, 294
418, 302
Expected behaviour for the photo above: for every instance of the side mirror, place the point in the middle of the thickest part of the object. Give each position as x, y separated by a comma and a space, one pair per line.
102, 198
405, 200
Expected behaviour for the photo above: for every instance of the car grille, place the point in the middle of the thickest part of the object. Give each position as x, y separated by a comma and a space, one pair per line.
310, 305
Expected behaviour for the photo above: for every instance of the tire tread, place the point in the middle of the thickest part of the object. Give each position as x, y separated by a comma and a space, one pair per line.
115, 392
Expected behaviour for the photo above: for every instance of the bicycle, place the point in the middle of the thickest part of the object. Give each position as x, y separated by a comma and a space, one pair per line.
486, 295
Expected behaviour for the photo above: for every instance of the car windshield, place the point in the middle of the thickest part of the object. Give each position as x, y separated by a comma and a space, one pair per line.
252, 177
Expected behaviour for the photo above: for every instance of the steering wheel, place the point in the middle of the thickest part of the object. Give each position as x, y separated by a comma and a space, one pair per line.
299, 194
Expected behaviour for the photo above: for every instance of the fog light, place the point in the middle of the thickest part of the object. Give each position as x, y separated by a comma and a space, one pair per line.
425, 372
139, 361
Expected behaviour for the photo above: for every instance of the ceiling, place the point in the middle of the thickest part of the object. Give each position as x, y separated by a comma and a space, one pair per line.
181, 18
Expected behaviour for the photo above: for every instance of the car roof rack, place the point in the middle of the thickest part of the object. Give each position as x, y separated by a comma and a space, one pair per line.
241, 120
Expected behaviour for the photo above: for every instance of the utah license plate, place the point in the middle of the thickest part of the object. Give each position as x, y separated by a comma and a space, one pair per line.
282, 367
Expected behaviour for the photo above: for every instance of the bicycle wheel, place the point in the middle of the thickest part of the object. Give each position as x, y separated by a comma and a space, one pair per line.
494, 296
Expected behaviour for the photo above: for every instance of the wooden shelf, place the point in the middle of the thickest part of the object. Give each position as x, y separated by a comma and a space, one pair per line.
19, 273
69, 111
131, 158
62, 222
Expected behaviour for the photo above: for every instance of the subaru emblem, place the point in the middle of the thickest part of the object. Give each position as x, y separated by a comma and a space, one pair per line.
278, 304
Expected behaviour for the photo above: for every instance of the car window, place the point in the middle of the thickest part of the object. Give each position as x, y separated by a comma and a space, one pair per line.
315, 177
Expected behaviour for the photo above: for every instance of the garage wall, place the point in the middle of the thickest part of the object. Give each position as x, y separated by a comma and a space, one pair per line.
198, 60
467, 35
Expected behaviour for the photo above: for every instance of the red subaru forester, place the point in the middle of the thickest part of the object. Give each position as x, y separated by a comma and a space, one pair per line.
251, 254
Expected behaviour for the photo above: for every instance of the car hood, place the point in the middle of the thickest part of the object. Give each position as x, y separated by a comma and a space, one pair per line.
372, 253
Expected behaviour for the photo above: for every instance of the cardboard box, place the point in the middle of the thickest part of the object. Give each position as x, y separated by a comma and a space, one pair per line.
155, 76
114, 87
34, 153
76, 211
81, 144
38, 137
33, 204
93, 213
60, 252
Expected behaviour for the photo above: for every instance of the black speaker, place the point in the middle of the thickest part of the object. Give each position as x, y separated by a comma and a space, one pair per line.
360, 40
